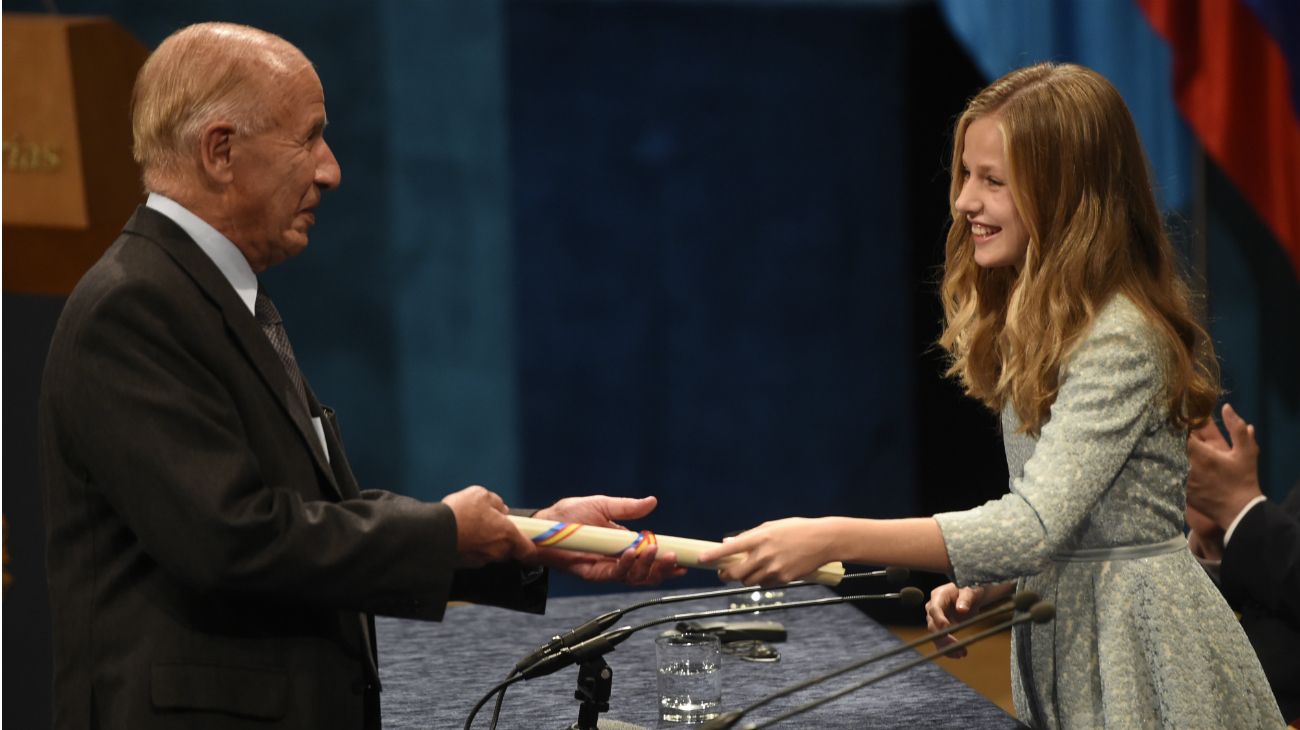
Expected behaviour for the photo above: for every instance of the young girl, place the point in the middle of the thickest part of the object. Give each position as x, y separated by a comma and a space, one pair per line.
1065, 314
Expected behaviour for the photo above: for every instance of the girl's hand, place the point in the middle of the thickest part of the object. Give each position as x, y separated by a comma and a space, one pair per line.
774, 552
948, 605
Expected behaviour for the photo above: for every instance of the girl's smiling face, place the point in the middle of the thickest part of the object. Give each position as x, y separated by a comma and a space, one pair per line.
999, 235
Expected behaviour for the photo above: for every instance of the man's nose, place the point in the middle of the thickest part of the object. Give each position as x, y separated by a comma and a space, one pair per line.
328, 172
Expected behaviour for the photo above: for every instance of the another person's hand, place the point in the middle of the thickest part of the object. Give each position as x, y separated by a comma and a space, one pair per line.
950, 605
774, 552
1206, 537
646, 568
483, 532
1223, 477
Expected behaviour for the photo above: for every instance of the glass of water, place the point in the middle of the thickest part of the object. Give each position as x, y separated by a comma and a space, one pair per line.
690, 677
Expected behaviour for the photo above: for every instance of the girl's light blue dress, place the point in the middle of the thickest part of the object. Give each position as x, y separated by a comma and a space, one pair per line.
1137, 642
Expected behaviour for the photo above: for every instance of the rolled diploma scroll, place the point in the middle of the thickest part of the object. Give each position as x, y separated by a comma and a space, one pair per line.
609, 541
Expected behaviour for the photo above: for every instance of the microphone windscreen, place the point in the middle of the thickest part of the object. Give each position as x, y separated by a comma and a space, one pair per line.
897, 576
1042, 612
1024, 600
911, 596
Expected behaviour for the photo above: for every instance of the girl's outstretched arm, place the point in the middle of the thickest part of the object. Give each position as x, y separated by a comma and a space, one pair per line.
785, 550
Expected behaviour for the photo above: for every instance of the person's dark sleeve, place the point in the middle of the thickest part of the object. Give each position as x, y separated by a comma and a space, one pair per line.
148, 412
509, 585
1261, 563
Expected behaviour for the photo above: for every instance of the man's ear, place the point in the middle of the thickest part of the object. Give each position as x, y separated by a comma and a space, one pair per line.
215, 151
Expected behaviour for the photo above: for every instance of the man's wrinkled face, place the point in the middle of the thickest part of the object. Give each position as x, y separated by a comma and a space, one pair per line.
280, 174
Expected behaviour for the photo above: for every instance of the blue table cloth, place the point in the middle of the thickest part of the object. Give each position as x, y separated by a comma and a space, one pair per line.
433, 673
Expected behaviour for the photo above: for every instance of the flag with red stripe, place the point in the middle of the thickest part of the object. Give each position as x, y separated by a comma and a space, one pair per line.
1236, 64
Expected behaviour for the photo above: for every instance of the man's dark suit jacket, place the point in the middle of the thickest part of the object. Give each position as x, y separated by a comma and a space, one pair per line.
1260, 576
208, 566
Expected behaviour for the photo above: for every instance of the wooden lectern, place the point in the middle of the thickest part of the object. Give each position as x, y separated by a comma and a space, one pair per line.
69, 186
69, 179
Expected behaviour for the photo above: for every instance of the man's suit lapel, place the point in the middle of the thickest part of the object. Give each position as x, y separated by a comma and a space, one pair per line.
247, 332
347, 482
348, 486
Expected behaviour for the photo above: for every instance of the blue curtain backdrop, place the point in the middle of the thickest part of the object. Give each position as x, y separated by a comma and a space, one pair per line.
709, 278
675, 247
630, 247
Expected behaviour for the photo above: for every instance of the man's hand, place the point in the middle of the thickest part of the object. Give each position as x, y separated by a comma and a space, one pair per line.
644, 569
483, 533
1205, 538
1223, 476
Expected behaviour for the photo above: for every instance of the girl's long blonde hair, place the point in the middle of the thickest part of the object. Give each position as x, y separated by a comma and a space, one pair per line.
1079, 178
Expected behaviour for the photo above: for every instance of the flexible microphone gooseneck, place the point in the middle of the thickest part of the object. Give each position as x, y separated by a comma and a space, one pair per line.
1019, 602
604, 643
592, 627
1040, 612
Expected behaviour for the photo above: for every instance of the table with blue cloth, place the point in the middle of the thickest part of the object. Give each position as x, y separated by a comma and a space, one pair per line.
433, 673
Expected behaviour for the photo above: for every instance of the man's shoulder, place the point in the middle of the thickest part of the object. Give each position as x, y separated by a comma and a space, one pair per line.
141, 261
131, 266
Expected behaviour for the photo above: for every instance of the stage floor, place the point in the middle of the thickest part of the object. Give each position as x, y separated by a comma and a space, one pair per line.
986, 668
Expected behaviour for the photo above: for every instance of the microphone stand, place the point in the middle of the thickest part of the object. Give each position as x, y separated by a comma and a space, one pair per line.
598, 624
595, 682
601, 676
1040, 612
1020, 602
595, 678
594, 626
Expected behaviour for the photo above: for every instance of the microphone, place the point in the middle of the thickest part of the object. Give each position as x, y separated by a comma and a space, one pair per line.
892, 574
600, 644
1040, 612
605, 643
1024, 600
592, 627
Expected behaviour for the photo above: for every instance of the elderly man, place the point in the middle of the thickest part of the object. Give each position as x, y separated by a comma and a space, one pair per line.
212, 561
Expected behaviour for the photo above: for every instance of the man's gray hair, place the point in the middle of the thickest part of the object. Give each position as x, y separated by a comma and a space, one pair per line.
201, 74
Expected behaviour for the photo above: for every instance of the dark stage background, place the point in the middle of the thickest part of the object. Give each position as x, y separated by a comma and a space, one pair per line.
682, 249
677, 248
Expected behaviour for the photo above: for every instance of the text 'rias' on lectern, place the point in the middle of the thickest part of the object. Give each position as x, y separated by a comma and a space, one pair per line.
69, 179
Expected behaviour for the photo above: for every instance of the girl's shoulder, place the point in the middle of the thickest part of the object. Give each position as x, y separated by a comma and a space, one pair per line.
1121, 317
1120, 338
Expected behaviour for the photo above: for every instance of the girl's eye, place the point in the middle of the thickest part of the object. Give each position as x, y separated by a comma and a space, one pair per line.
993, 182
